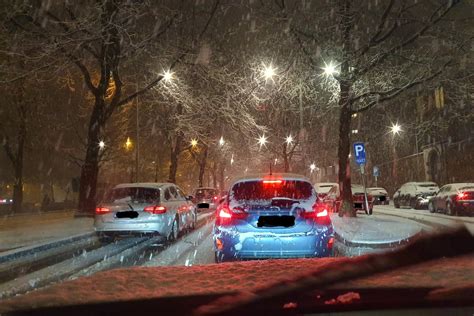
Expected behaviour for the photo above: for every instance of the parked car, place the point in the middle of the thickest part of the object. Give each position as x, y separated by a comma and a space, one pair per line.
322, 188
206, 199
380, 195
415, 194
453, 199
333, 199
272, 216
158, 208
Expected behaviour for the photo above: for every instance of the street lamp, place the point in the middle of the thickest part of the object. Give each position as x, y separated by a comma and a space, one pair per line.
221, 141
262, 140
395, 129
128, 144
194, 142
101, 144
268, 72
232, 159
167, 76
312, 167
329, 69
289, 139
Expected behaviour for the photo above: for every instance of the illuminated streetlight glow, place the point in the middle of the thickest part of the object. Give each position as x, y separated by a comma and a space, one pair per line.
221, 141
194, 142
276, 161
269, 72
101, 144
312, 167
395, 129
262, 140
167, 76
128, 144
232, 159
289, 139
329, 69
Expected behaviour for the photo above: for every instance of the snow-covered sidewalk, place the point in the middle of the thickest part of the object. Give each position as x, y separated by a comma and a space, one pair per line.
375, 231
26, 230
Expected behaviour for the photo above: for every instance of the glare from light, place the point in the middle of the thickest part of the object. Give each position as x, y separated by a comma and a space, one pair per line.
289, 139
276, 161
232, 159
101, 144
167, 76
262, 140
128, 143
329, 69
312, 167
269, 72
221, 141
395, 129
194, 142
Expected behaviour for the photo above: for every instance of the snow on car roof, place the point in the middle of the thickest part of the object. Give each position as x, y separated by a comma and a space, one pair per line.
260, 176
142, 185
321, 184
205, 188
460, 185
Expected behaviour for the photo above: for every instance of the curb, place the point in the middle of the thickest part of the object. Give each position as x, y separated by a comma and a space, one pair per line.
390, 244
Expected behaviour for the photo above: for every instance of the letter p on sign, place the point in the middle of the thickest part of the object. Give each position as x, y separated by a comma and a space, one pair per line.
359, 153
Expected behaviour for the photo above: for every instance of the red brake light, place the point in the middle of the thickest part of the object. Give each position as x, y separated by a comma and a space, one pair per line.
322, 213
155, 209
101, 210
215, 198
461, 195
330, 243
225, 213
272, 181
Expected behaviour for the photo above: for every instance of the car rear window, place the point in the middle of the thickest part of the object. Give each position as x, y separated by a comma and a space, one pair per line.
133, 195
205, 193
261, 190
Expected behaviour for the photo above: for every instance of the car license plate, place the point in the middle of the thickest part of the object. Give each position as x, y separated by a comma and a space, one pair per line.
276, 221
127, 214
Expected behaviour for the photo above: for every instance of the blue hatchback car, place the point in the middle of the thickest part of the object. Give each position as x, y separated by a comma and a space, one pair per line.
272, 216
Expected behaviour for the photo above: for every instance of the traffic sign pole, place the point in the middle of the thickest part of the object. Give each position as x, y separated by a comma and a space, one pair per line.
360, 158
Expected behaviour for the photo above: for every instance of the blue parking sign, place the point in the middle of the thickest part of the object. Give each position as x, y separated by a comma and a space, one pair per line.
359, 153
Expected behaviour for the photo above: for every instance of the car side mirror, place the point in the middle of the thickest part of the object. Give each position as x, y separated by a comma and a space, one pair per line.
189, 198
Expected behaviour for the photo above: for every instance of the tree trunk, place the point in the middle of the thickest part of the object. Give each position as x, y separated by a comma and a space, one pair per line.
90, 168
202, 166
18, 186
344, 176
221, 178
214, 174
175, 151
286, 161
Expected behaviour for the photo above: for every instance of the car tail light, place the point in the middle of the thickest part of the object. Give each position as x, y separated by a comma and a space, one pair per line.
155, 209
101, 210
272, 181
319, 214
215, 198
330, 243
225, 214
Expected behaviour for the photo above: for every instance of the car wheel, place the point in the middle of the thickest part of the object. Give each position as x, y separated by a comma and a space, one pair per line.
216, 258
194, 222
450, 210
174, 230
431, 207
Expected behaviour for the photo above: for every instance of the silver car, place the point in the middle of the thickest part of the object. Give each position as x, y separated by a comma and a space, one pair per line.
206, 199
158, 208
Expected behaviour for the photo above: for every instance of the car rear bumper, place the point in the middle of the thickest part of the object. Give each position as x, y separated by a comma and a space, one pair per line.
201, 206
117, 226
465, 206
231, 245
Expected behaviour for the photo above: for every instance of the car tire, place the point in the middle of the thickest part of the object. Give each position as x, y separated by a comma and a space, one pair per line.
449, 209
194, 222
174, 230
431, 207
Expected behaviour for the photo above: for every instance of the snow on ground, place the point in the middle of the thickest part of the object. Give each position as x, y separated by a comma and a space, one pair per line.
437, 219
248, 276
28, 229
375, 229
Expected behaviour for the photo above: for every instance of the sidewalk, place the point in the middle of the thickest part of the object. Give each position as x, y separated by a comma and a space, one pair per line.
19, 231
375, 231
